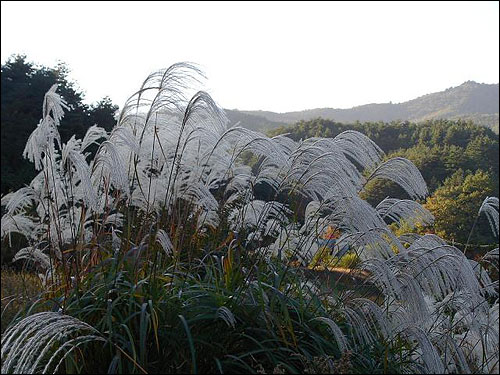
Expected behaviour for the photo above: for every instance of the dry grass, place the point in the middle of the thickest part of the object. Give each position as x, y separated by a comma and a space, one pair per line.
18, 289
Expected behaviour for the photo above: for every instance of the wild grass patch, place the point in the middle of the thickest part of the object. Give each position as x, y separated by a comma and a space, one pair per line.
165, 253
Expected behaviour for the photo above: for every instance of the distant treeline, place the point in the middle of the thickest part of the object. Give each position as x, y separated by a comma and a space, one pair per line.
438, 147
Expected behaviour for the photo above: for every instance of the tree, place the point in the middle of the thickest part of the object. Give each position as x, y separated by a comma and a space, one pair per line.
455, 206
102, 113
23, 86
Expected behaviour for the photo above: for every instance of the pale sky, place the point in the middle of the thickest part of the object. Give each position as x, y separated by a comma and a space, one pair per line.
269, 56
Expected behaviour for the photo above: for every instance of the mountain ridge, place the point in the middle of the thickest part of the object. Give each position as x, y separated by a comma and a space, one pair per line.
471, 100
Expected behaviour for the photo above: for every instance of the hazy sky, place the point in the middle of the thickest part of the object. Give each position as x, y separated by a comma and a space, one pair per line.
270, 56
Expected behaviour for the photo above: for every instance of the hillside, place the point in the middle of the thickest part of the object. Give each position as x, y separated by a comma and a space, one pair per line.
451, 155
474, 101
253, 121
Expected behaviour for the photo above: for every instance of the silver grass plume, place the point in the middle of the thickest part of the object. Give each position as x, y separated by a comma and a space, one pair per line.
36, 340
93, 134
406, 210
54, 105
42, 138
227, 316
163, 239
35, 255
404, 173
16, 201
490, 208
18, 223
336, 332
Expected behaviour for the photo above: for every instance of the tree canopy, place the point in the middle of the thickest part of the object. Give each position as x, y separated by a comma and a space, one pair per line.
455, 206
23, 86
458, 160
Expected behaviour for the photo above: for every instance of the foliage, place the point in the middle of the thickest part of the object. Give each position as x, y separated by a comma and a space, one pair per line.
395, 135
324, 259
438, 148
455, 205
23, 86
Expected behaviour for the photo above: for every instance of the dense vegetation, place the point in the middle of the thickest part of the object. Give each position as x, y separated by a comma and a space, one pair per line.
454, 157
23, 86
156, 255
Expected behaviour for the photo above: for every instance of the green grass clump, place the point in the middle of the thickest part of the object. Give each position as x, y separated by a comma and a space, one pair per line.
214, 318
323, 259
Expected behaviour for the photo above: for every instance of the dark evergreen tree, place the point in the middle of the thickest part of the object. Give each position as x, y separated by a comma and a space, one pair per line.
23, 86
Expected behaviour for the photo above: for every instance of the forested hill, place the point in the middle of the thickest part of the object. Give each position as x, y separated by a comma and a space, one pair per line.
470, 101
437, 147
458, 160
395, 135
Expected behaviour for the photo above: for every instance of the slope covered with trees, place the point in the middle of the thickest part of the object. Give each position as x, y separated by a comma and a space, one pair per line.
451, 155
